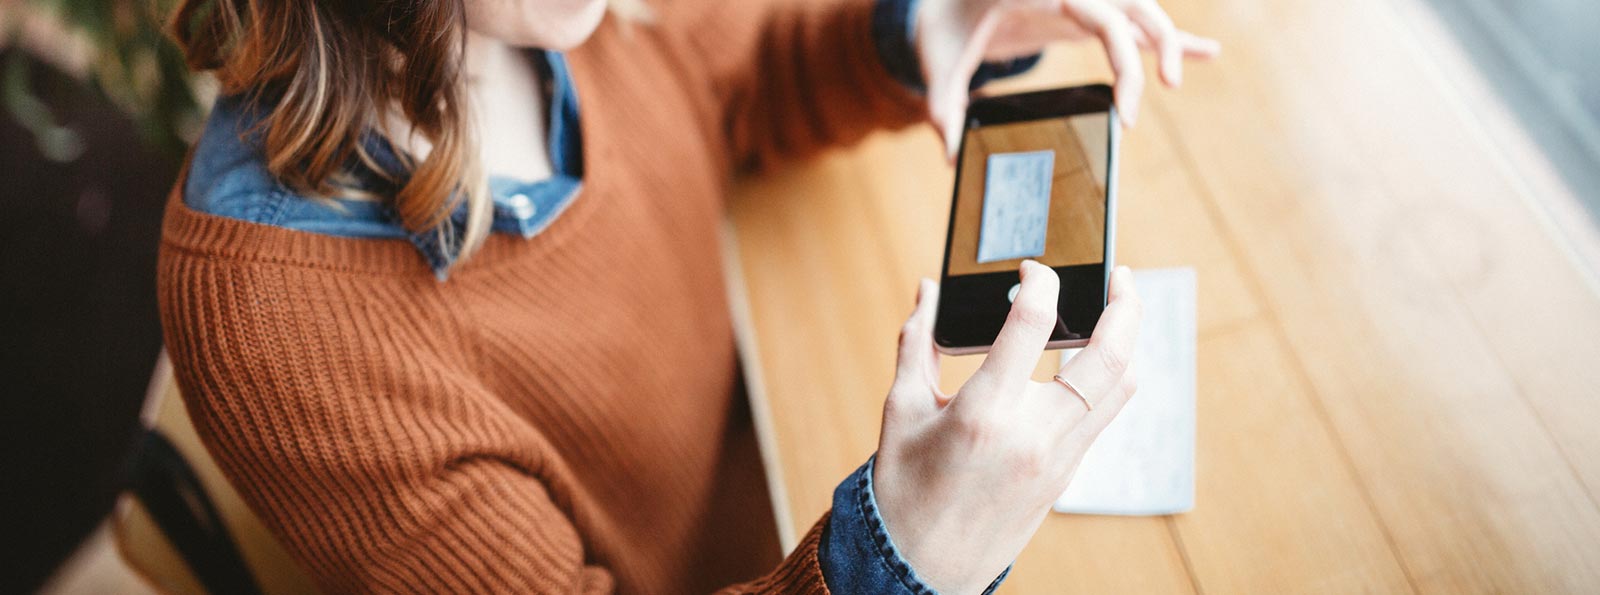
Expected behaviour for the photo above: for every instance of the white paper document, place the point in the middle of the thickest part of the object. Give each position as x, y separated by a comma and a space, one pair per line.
1016, 205
1143, 463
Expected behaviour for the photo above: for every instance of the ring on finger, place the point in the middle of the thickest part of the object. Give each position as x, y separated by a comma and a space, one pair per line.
1075, 392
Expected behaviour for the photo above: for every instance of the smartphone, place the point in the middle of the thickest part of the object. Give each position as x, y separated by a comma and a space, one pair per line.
1036, 177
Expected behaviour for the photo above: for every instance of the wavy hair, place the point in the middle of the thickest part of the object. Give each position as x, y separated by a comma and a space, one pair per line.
325, 73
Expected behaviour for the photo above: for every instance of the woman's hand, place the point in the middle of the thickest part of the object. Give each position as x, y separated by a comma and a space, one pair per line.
963, 481
954, 36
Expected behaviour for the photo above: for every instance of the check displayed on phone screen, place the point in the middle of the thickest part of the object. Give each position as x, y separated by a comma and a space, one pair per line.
1033, 181
1016, 205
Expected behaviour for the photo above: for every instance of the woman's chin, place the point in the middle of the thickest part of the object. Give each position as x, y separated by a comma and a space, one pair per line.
573, 28
557, 30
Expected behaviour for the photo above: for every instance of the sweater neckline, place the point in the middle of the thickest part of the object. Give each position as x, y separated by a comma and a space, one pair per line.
218, 236
226, 238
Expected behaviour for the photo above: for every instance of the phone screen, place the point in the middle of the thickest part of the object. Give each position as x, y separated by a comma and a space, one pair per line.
1026, 189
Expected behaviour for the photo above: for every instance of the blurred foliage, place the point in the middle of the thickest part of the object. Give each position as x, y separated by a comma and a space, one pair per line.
131, 62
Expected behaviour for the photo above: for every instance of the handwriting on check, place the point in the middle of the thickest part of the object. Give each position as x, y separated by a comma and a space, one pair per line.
1016, 205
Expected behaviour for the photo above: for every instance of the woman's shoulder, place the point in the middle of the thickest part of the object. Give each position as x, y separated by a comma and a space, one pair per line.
228, 177
228, 211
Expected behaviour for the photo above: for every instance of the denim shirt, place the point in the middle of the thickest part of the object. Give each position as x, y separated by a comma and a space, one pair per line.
227, 177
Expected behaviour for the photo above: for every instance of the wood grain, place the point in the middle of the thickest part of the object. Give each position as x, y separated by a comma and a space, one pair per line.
1076, 221
1397, 379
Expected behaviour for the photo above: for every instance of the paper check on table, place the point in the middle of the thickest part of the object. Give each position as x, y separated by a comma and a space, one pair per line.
1016, 205
1143, 463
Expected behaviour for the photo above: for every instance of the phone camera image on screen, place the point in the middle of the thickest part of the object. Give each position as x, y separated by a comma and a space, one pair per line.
1031, 183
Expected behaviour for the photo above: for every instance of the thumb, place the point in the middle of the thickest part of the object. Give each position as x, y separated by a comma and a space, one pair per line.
951, 123
948, 100
952, 55
916, 357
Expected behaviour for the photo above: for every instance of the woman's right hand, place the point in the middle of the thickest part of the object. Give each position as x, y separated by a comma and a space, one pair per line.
963, 481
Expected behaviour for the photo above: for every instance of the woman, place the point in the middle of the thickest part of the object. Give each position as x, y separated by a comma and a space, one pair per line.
441, 286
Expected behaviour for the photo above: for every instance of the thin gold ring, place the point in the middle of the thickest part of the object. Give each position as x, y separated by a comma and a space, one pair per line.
1075, 392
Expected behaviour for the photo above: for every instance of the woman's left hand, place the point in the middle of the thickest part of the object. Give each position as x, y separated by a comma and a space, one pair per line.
954, 36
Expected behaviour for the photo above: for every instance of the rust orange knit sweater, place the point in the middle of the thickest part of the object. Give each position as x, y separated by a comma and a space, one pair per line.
561, 415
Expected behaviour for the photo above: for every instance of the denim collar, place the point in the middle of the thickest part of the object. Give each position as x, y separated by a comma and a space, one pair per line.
521, 207
228, 177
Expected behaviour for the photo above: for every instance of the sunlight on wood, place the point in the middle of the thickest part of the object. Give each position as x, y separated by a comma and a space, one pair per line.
1396, 370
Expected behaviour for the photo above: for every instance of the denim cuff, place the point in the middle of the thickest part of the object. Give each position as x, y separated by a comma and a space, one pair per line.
856, 553
894, 26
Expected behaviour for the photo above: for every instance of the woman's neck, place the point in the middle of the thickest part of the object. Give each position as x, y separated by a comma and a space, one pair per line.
508, 109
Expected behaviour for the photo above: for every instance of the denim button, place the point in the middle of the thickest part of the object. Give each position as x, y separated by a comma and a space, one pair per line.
521, 206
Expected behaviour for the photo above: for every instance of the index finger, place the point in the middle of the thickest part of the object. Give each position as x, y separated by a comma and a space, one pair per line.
1156, 25
1117, 35
1027, 329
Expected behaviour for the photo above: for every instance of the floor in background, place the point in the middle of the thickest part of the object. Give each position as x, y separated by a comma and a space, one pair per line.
96, 568
1540, 57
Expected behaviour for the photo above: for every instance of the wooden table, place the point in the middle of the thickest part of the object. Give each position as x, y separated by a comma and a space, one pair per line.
1399, 348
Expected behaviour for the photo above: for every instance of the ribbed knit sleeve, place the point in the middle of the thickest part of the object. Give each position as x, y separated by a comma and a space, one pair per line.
339, 404
379, 469
795, 76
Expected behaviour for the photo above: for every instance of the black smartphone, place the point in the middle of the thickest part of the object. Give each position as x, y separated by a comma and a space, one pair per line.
1036, 177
